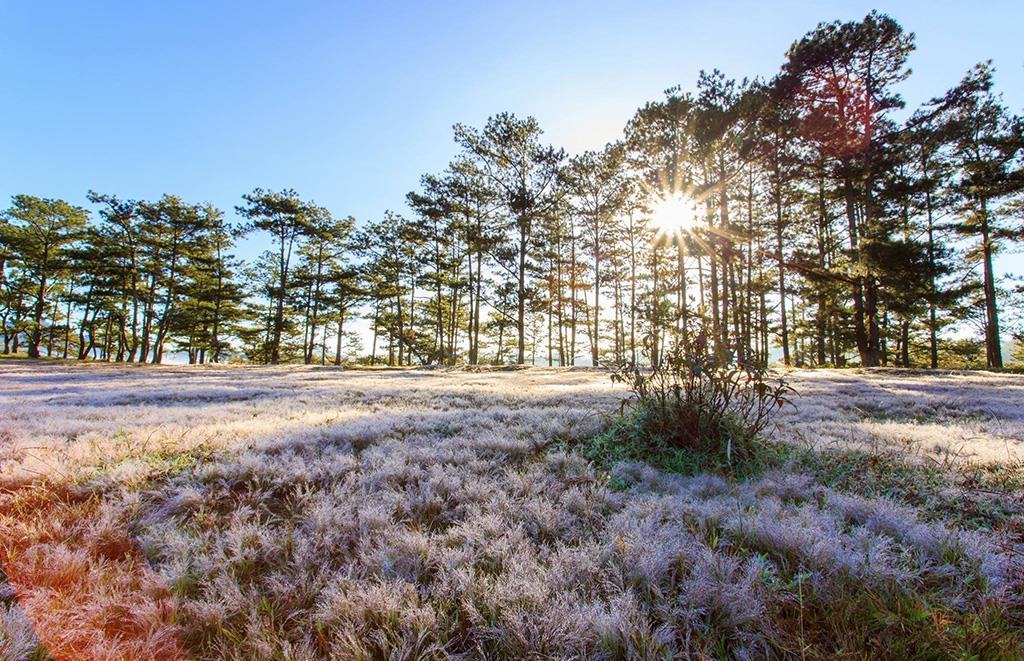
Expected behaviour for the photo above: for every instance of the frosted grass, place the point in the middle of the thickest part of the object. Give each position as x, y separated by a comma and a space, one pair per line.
310, 513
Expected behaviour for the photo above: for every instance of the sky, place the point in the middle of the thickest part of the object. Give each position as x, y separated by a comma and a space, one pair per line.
350, 103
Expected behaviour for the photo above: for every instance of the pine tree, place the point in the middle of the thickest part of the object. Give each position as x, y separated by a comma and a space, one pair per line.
987, 146
39, 235
843, 76
594, 183
513, 159
288, 220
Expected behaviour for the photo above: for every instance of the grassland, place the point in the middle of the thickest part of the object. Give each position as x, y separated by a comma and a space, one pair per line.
245, 512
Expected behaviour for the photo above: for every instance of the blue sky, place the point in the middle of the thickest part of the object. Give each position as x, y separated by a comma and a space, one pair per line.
351, 103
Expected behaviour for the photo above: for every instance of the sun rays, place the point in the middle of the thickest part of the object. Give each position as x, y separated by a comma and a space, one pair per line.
675, 214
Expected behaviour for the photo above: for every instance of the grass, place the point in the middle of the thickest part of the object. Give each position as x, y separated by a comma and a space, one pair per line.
307, 513
851, 619
609, 448
24, 356
970, 495
973, 496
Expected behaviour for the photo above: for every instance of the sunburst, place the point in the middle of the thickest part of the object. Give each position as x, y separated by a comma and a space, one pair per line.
675, 214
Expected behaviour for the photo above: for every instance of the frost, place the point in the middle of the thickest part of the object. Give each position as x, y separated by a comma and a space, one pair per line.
327, 513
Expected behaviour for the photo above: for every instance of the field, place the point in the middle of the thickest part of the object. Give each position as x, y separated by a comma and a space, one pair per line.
247, 512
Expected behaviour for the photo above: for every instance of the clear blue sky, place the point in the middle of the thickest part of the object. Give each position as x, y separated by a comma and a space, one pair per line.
351, 103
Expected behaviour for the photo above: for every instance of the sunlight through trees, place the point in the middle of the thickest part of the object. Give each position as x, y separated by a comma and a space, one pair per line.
804, 218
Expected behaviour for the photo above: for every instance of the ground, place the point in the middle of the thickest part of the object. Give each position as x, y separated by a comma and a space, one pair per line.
298, 512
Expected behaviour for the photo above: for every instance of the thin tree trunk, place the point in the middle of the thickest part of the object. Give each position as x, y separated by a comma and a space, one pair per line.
782, 277
993, 350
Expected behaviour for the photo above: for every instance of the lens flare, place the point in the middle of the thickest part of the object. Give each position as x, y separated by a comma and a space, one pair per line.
674, 214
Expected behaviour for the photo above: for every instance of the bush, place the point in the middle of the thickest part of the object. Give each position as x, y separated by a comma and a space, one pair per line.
699, 401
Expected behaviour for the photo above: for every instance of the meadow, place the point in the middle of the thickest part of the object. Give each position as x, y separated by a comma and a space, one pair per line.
303, 512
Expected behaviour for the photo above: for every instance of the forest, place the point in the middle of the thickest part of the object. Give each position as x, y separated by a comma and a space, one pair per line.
811, 218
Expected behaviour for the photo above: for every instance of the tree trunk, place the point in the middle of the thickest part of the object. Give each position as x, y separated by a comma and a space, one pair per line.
596, 337
36, 336
341, 335
993, 350
782, 278
521, 302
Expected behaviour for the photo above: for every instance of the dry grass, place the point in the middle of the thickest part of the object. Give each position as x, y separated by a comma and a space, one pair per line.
309, 513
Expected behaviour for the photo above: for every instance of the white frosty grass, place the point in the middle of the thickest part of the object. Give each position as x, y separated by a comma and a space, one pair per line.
17, 638
61, 420
303, 512
978, 416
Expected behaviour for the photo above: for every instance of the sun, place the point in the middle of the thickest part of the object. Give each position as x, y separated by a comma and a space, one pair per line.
674, 214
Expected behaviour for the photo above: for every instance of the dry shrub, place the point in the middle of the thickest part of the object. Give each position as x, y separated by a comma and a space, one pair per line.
696, 399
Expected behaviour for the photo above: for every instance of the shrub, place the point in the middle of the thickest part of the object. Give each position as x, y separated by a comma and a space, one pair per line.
696, 400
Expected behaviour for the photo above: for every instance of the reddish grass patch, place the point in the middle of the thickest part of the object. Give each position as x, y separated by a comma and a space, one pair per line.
80, 578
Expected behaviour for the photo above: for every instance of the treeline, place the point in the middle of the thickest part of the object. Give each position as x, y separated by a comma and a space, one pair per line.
803, 217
